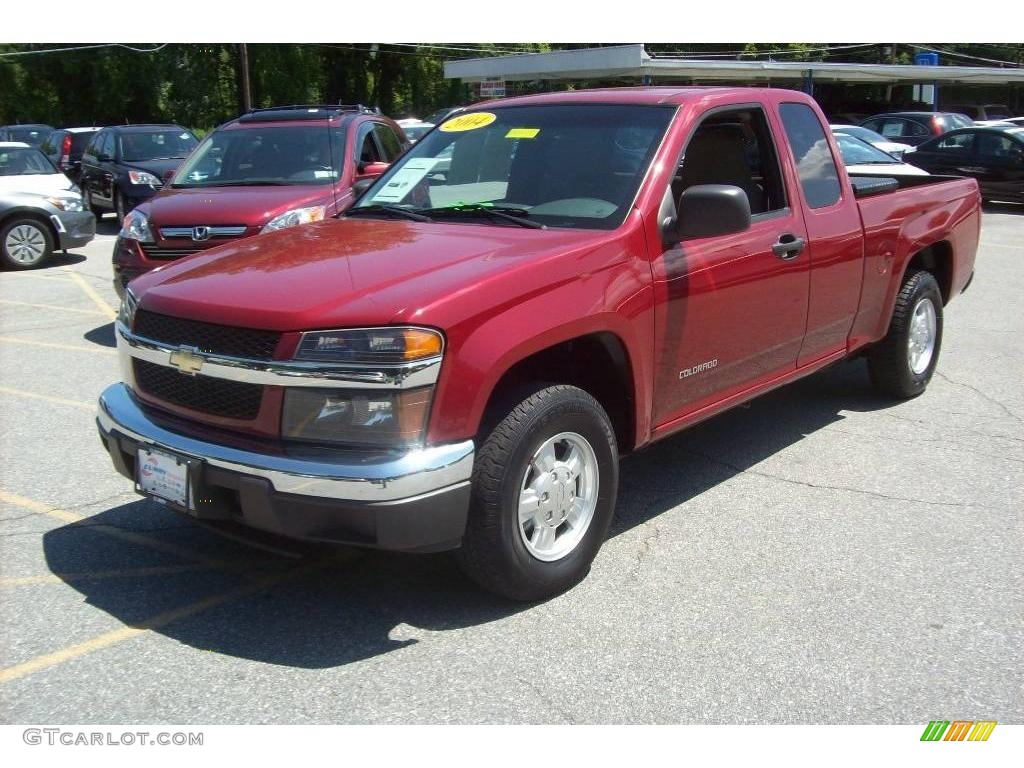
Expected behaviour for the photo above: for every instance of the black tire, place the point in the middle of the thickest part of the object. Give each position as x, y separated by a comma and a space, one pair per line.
888, 362
88, 204
40, 234
119, 207
493, 552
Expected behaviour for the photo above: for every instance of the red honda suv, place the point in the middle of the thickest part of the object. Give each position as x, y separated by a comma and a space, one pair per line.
267, 170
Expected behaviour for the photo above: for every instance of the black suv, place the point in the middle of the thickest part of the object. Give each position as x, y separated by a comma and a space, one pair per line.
32, 134
124, 165
64, 148
915, 127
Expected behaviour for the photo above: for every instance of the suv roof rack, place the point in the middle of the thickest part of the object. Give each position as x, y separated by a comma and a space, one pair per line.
305, 112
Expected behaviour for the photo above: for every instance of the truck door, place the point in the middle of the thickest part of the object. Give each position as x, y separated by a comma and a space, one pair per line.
732, 309
835, 238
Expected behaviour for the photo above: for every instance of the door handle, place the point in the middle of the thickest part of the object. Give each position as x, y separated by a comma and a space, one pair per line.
788, 247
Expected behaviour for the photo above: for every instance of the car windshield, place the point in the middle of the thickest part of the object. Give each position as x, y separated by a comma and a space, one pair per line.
169, 144
415, 132
577, 165
956, 120
33, 135
24, 161
857, 152
294, 154
864, 134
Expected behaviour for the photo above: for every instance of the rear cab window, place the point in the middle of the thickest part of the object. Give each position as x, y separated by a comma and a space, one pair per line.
815, 164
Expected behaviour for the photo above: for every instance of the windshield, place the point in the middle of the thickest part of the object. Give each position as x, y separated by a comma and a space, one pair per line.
414, 132
956, 120
34, 135
577, 165
24, 161
857, 152
170, 144
294, 154
864, 134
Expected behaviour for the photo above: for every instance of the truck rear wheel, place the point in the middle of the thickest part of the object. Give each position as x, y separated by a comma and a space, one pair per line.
544, 486
902, 364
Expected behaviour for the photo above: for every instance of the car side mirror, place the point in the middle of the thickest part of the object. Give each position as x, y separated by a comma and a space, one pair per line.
359, 187
104, 158
371, 169
709, 210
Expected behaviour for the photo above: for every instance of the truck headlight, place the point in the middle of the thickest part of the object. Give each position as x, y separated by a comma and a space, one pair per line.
379, 418
126, 313
143, 177
295, 217
136, 227
370, 345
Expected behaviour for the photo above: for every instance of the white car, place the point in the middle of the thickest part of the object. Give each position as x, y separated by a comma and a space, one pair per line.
859, 157
40, 208
1018, 121
415, 130
876, 140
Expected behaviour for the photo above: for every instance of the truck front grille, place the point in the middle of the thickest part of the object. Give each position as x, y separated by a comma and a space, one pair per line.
206, 394
206, 337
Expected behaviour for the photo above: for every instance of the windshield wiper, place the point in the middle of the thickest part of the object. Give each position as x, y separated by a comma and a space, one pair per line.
381, 208
250, 183
504, 213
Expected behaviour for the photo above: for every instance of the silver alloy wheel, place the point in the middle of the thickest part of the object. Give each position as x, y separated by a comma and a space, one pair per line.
921, 341
25, 244
558, 496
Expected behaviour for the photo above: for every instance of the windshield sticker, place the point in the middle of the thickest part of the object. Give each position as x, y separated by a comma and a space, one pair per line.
522, 133
469, 122
407, 177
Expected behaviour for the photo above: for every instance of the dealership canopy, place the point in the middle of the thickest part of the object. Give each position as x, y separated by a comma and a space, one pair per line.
632, 61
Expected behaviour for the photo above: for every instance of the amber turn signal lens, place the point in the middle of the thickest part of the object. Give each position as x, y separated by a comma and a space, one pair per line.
421, 344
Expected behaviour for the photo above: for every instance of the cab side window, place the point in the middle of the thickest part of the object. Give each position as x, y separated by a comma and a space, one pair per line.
736, 148
388, 141
994, 147
955, 144
815, 164
366, 148
93, 148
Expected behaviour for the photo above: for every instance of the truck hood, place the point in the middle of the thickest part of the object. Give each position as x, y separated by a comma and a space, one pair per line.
339, 273
217, 206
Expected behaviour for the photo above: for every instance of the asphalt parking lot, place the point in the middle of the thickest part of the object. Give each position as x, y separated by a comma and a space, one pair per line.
819, 556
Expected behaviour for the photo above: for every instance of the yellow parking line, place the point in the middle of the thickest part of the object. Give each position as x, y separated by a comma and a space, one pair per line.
89, 291
120, 573
56, 345
110, 530
48, 398
92, 312
125, 633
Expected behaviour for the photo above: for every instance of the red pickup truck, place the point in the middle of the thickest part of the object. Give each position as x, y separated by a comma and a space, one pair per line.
536, 287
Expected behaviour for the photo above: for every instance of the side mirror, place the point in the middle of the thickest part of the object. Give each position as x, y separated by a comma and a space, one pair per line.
371, 169
708, 210
104, 158
359, 187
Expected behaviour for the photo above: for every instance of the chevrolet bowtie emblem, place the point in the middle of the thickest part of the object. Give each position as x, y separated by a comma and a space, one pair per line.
186, 361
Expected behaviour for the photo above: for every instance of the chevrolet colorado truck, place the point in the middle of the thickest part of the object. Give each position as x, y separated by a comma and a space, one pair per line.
538, 286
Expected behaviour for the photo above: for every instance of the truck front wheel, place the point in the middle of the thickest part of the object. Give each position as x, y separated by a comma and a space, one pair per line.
902, 364
544, 486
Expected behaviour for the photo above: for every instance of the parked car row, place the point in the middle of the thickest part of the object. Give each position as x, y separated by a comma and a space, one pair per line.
269, 169
946, 143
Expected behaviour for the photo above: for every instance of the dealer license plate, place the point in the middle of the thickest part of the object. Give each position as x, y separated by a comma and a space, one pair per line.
163, 476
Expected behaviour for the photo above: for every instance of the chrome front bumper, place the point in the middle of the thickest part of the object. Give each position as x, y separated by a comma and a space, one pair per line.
414, 500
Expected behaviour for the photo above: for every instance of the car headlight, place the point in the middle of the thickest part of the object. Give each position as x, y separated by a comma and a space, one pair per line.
66, 203
384, 418
370, 345
126, 312
144, 177
136, 227
295, 217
